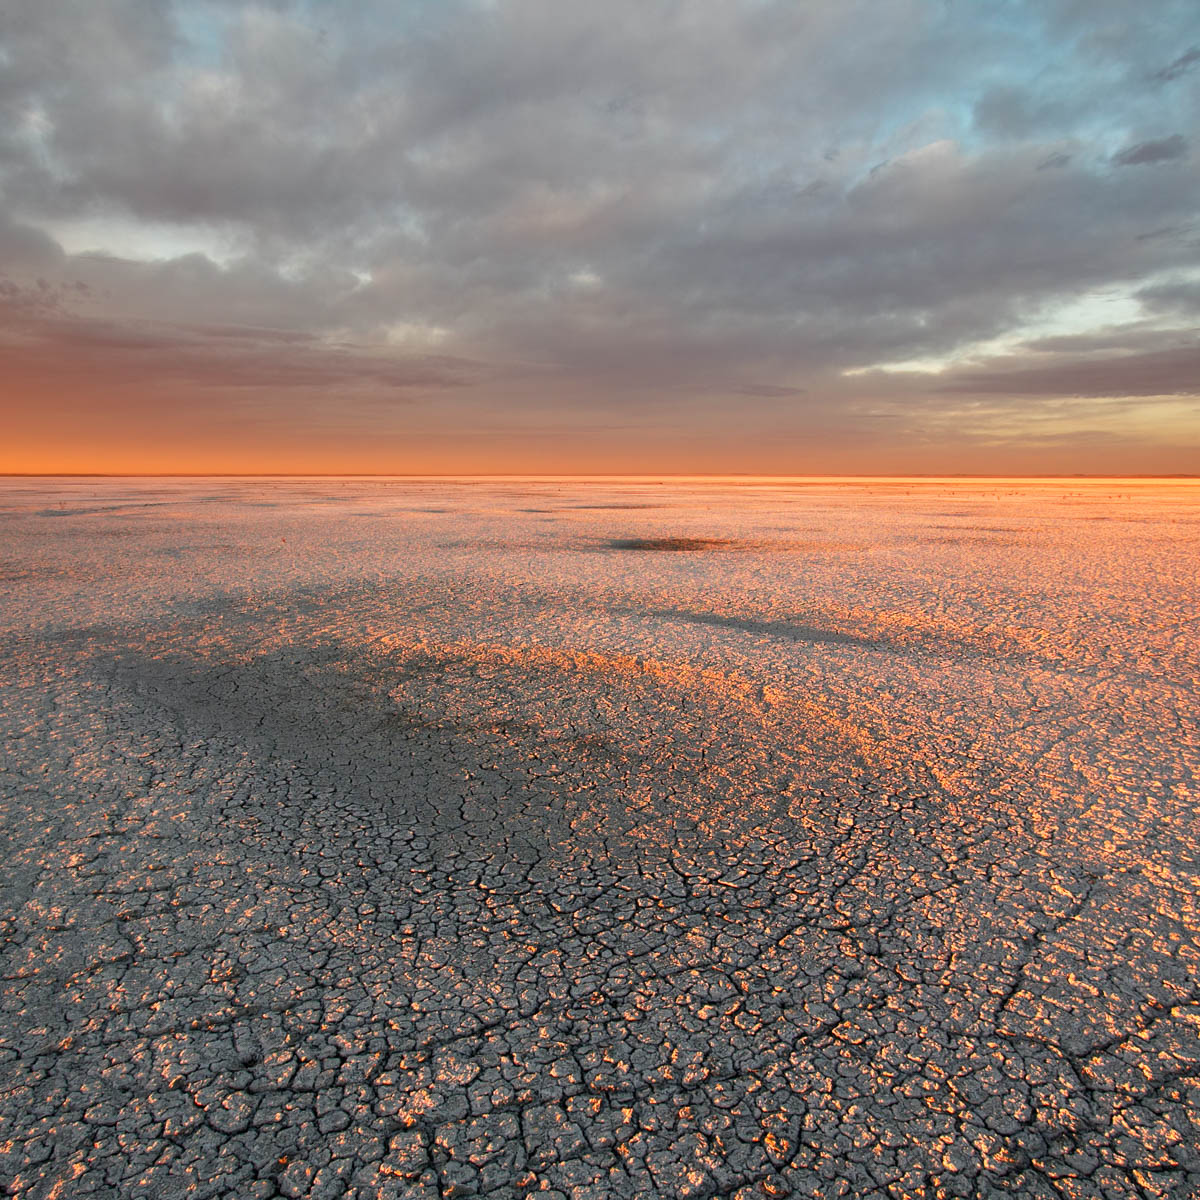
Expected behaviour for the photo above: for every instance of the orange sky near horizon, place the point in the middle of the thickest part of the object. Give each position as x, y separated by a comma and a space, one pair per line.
449, 455
94, 429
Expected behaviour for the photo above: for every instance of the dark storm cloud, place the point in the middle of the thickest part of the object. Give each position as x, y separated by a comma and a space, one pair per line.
625, 203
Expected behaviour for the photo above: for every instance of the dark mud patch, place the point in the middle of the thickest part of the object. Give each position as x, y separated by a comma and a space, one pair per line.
94, 510
671, 544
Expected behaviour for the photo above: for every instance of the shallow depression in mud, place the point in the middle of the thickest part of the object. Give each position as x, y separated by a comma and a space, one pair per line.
669, 544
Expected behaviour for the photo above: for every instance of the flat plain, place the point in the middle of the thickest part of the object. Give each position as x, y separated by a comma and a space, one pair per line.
414, 838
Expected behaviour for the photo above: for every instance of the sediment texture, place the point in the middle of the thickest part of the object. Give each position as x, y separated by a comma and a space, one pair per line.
448, 840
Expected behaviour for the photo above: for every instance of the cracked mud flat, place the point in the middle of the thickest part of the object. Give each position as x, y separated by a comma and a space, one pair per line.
423, 839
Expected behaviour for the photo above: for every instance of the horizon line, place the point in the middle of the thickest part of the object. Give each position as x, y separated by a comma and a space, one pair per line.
586, 475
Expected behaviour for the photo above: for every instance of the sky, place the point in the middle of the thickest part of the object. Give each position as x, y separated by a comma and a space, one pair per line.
643, 236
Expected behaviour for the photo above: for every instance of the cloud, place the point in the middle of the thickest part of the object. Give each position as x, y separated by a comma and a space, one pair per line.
1155, 151
590, 211
1187, 61
46, 345
1054, 161
769, 391
1176, 296
1174, 371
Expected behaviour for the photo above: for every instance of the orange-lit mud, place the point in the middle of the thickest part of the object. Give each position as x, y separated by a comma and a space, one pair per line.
415, 838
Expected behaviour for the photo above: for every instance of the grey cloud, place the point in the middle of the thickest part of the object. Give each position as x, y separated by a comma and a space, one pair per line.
51, 346
1010, 112
647, 199
769, 391
1130, 338
26, 248
1179, 66
1167, 231
1154, 151
1181, 296
1054, 161
1169, 372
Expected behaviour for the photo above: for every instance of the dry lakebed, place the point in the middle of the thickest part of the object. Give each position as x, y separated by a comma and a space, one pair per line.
606, 838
